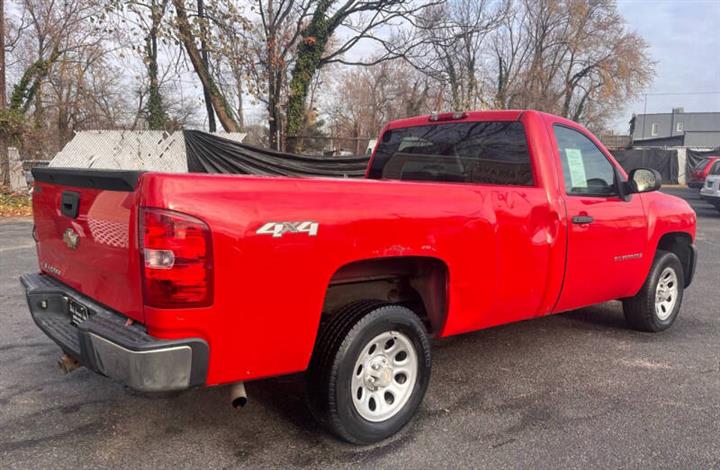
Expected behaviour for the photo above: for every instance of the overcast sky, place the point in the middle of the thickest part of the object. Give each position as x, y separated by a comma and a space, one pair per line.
684, 38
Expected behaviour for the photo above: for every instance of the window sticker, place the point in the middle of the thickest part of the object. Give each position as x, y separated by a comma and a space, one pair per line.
577, 168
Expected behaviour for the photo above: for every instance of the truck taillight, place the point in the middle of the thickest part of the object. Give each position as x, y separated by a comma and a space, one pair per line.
177, 259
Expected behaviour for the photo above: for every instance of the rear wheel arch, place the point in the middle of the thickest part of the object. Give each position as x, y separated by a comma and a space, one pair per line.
418, 282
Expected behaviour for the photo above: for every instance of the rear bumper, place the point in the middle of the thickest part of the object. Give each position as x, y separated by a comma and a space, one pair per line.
104, 343
695, 184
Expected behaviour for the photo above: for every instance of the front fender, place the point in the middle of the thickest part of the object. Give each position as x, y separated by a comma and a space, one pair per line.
667, 215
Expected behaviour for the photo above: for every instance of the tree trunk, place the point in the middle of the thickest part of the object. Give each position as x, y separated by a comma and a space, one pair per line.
24, 92
273, 103
4, 162
3, 91
206, 61
240, 113
156, 115
218, 100
309, 58
454, 86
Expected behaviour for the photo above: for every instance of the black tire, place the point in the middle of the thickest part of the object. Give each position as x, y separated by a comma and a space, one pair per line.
640, 312
339, 344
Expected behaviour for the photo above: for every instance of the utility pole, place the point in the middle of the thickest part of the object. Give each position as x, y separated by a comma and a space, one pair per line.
644, 115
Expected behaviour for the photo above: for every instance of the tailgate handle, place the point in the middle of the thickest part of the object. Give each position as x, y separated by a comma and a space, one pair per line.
70, 204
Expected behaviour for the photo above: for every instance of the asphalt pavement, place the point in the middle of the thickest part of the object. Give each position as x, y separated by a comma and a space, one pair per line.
575, 390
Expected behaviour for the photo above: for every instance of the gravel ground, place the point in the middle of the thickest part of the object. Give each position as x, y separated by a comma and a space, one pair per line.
575, 390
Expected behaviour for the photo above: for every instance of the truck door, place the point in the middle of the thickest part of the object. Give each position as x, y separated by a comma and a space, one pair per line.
606, 233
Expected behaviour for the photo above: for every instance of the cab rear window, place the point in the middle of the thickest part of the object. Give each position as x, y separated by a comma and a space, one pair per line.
468, 152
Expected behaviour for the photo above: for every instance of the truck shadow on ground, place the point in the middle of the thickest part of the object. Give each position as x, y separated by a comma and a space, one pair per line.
285, 396
467, 370
596, 317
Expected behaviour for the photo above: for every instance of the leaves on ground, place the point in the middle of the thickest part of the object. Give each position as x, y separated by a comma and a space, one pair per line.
14, 203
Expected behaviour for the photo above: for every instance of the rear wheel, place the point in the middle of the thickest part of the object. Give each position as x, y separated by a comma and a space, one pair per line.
657, 305
369, 372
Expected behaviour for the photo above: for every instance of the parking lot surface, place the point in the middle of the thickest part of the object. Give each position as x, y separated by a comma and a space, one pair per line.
575, 390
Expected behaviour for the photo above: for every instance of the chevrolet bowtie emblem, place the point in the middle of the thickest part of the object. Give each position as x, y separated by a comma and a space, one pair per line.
71, 238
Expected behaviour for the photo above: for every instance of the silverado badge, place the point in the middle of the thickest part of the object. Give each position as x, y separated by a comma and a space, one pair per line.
71, 238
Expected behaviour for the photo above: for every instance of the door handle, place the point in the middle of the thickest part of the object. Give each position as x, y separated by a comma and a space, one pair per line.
582, 219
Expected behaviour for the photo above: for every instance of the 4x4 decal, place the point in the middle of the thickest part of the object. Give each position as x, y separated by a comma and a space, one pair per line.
278, 229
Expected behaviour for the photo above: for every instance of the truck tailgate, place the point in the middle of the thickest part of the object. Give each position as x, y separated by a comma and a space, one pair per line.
86, 233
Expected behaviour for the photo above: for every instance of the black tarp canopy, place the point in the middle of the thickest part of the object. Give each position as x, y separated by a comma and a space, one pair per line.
207, 153
664, 161
696, 156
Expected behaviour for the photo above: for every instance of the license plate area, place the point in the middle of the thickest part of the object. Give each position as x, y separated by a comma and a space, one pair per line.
77, 311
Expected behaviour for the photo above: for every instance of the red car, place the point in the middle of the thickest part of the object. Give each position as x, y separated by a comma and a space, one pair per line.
464, 221
700, 172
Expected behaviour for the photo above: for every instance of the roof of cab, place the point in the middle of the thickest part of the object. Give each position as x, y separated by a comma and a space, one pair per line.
470, 116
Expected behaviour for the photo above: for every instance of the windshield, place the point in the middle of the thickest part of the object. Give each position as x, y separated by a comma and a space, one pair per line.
461, 152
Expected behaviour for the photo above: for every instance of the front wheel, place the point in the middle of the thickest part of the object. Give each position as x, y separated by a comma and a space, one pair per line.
369, 372
657, 305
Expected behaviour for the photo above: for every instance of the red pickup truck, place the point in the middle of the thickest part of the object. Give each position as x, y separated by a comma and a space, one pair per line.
464, 221
701, 171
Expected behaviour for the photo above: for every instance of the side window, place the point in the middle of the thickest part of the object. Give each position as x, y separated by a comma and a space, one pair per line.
586, 170
715, 170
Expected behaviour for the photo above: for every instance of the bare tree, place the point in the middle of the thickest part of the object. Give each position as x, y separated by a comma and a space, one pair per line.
454, 43
570, 57
290, 42
273, 41
574, 58
67, 67
363, 100
52, 23
364, 19
46, 31
188, 34
3, 144
145, 18
205, 54
3, 91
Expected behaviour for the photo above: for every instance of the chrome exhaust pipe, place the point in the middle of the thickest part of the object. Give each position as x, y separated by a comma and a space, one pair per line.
238, 396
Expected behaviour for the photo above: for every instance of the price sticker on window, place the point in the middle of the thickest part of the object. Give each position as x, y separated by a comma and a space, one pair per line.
576, 167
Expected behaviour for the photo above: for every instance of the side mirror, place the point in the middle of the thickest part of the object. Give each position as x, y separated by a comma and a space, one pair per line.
643, 180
